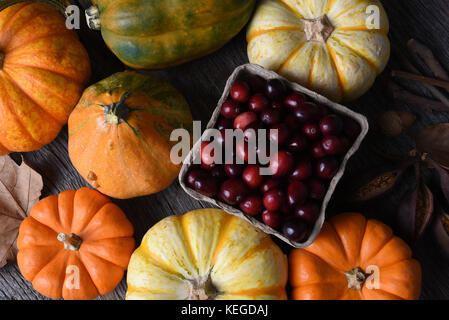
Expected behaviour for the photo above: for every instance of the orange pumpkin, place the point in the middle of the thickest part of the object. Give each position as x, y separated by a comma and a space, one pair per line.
43, 71
354, 259
119, 134
75, 246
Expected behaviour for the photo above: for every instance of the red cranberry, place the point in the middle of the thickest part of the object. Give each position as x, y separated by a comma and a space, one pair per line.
219, 173
263, 151
285, 209
273, 199
206, 185
193, 175
233, 170
257, 83
331, 145
252, 205
244, 152
318, 150
301, 171
295, 230
230, 109
291, 121
331, 125
351, 129
233, 191
279, 133
297, 143
317, 189
258, 102
251, 131
345, 145
297, 193
327, 167
322, 110
272, 219
281, 164
269, 184
277, 105
275, 89
307, 112
270, 116
207, 158
294, 100
240, 91
243, 120
311, 131
221, 138
223, 123
251, 175
308, 212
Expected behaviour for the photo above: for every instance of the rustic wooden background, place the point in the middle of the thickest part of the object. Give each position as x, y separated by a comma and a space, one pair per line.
202, 82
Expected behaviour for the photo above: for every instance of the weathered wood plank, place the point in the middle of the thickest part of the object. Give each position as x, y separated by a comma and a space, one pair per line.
202, 81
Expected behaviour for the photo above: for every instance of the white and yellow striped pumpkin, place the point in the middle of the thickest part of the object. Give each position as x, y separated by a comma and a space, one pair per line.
333, 47
206, 254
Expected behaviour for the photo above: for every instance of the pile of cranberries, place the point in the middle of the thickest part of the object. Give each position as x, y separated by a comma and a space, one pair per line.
311, 139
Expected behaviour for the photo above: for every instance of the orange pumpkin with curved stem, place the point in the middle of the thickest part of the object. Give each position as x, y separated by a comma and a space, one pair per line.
355, 259
43, 71
75, 246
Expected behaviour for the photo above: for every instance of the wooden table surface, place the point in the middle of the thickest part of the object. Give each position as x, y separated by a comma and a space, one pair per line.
202, 82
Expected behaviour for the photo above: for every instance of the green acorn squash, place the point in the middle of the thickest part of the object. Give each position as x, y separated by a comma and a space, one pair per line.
154, 34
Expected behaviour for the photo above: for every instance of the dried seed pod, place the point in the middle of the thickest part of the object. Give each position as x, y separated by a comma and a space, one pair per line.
379, 185
444, 175
441, 232
415, 212
434, 141
393, 123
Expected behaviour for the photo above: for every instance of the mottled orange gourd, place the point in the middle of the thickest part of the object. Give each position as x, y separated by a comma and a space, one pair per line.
43, 71
119, 134
75, 246
355, 259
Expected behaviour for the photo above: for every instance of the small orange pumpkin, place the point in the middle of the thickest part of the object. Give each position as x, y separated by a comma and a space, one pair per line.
75, 246
355, 259
119, 134
43, 71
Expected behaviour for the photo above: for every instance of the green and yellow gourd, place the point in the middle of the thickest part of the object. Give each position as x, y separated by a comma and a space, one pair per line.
155, 34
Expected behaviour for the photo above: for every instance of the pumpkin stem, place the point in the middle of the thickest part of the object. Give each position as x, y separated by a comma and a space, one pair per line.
202, 289
2, 59
117, 112
356, 278
318, 29
93, 18
71, 242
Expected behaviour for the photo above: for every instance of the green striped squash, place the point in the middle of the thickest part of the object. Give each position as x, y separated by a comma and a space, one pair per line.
155, 34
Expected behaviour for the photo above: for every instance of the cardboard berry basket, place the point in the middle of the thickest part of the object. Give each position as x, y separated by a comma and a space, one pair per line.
241, 73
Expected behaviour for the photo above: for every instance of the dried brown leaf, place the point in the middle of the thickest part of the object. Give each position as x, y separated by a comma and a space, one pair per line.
20, 189
434, 141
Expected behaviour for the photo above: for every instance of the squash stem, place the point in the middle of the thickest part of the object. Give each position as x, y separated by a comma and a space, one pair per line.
93, 18
356, 278
319, 29
71, 242
117, 112
202, 289
2, 60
